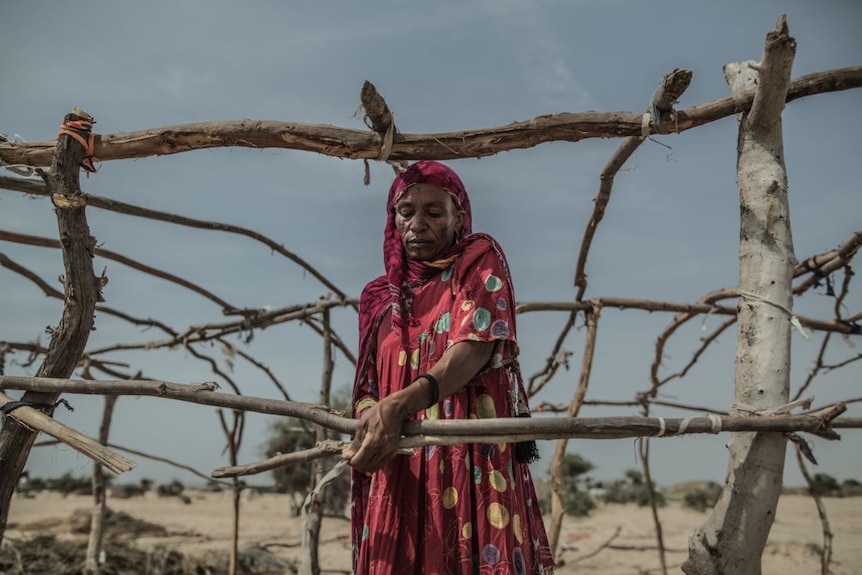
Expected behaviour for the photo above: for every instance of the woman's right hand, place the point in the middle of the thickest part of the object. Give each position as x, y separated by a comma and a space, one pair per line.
378, 432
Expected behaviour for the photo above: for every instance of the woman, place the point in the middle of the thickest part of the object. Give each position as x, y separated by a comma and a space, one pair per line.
437, 341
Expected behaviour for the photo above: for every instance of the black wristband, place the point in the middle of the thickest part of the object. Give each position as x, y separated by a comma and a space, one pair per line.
435, 388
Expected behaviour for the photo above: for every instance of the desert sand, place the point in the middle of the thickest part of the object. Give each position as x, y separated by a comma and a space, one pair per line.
205, 524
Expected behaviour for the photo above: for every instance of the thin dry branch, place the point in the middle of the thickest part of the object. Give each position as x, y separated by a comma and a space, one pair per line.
598, 549
669, 91
336, 339
211, 331
359, 144
27, 239
51, 292
11, 265
818, 362
33, 187
689, 308
261, 366
643, 447
171, 462
146, 455
826, 553
557, 357
672, 86
97, 518
828, 261
558, 485
704, 344
214, 367
825, 264
847, 361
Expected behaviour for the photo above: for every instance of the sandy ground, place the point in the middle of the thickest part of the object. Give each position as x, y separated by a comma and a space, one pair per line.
205, 523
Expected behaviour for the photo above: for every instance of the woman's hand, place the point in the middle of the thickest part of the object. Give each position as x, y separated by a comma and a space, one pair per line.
378, 432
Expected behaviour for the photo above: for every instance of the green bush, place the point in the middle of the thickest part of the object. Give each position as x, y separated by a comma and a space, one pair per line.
173, 489
579, 504
824, 484
632, 489
68, 484
577, 501
704, 498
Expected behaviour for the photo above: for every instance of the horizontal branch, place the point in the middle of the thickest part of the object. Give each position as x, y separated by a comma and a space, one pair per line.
362, 144
8, 263
513, 430
204, 394
652, 305
35, 419
420, 433
43, 242
35, 187
207, 332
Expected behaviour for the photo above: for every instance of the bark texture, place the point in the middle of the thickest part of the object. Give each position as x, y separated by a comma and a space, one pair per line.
360, 144
732, 539
558, 485
93, 559
82, 291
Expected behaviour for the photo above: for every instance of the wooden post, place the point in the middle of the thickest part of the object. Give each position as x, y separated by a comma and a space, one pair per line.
313, 508
233, 433
732, 539
82, 290
92, 561
558, 485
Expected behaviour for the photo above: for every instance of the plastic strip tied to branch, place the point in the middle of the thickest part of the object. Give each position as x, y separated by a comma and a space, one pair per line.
714, 425
652, 117
7, 408
794, 321
72, 129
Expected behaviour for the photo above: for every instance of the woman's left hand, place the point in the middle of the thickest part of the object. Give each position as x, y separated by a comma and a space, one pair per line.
378, 432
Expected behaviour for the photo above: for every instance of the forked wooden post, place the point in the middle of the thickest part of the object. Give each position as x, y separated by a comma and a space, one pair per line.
732, 539
82, 291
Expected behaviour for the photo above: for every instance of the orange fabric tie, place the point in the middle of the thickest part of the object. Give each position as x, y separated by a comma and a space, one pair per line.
72, 128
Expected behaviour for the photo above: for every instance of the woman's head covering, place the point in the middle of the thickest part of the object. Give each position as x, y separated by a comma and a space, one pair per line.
398, 267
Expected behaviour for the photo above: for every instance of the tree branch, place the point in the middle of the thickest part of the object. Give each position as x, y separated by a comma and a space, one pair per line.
33, 187
358, 144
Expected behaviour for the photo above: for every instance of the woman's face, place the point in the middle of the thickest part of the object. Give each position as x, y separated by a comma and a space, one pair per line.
428, 220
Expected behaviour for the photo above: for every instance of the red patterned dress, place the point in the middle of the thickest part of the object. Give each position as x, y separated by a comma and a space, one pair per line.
462, 509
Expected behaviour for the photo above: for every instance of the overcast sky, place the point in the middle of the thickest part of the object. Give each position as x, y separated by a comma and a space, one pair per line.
670, 232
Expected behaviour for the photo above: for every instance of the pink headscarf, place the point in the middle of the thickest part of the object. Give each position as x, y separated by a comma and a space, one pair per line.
389, 289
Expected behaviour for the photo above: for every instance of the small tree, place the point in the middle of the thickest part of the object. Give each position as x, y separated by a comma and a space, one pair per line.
577, 501
704, 497
825, 484
632, 489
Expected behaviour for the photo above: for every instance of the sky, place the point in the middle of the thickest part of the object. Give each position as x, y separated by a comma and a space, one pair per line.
670, 232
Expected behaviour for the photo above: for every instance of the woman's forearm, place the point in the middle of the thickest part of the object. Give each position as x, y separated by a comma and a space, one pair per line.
458, 365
